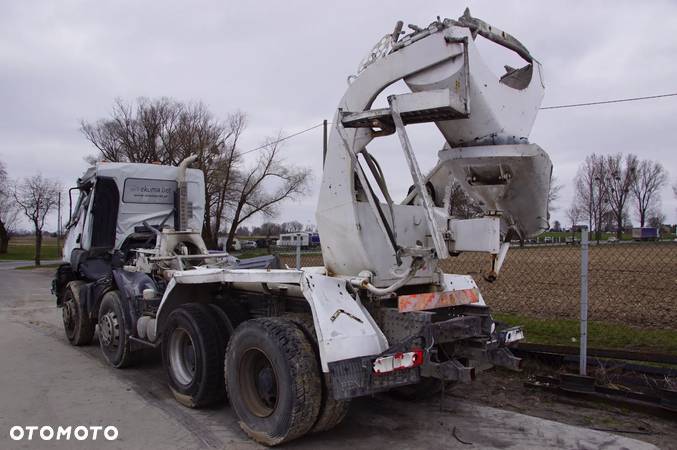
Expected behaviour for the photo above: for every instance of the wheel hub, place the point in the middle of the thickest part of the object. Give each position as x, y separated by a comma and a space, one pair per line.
68, 314
109, 329
258, 383
266, 387
182, 358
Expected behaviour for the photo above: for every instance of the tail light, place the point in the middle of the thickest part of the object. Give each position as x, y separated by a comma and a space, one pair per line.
398, 361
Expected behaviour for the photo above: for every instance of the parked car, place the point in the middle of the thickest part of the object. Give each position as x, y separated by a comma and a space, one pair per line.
612, 239
262, 243
248, 245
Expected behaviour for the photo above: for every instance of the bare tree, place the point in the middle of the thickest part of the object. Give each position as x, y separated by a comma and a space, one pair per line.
574, 214
268, 229
649, 180
619, 178
591, 192
554, 194
166, 131
656, 219
292, 227
221, 192
243, 231
8, 210
36, 196
261, 188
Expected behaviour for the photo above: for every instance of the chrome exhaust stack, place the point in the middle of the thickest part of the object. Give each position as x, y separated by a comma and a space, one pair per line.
182, 194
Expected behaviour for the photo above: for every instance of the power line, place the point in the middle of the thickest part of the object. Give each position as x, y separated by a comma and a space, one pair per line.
571, 105
283, 139
604, 102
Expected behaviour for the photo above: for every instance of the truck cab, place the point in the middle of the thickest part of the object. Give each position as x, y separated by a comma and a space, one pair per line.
115, 203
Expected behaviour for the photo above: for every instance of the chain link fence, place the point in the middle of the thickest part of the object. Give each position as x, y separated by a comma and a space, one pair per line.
310, 256
631, 283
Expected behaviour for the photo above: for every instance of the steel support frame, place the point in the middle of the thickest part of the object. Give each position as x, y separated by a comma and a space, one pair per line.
419, 180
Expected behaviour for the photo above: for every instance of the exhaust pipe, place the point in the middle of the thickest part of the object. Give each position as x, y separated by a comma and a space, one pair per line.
182, 195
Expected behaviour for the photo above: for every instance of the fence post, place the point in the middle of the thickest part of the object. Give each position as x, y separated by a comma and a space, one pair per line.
298, 251
583, 360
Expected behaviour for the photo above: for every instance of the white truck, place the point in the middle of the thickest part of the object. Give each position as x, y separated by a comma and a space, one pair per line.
289, 347
300, 239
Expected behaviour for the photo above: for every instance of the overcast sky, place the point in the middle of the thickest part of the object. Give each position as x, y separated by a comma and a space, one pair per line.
285, 64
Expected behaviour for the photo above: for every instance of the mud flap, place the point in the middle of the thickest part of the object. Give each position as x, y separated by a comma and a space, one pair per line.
355, 377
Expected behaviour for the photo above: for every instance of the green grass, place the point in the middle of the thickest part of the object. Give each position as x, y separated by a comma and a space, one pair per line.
251, 253
24, 251
600, 334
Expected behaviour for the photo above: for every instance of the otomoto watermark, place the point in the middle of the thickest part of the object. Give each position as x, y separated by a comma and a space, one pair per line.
63, 433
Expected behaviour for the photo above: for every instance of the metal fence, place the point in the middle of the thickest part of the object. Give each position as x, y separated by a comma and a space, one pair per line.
633, 283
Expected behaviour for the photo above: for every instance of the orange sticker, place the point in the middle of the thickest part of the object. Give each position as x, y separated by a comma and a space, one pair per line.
432, 300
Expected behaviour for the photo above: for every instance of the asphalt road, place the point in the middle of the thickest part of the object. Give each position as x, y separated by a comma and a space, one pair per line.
45, 381
8, 265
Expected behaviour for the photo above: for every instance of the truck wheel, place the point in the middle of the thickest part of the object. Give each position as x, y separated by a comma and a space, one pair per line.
79, 327
272, 379
332, 412
192, 354
64, 275
230, 315
113, 338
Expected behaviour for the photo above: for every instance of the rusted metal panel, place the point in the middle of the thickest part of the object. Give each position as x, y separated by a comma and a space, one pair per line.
432, 300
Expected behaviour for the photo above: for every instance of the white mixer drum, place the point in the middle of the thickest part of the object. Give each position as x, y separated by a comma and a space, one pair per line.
512, 179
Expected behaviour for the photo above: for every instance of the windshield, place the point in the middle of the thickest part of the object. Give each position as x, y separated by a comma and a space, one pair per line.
83, 200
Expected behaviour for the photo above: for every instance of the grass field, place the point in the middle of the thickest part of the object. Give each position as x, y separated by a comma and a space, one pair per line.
23, 249
600, 334
630, 283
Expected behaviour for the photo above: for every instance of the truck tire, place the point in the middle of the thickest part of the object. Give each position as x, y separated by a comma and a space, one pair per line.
230, 314
193, 347
64, 275
78, 326
272, 380
332, 412
113, 338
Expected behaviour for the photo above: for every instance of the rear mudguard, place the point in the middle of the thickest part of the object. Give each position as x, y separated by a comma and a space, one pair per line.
344, 328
